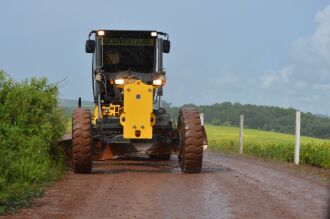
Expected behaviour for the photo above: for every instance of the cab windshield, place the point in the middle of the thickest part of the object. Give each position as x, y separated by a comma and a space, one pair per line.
122, 54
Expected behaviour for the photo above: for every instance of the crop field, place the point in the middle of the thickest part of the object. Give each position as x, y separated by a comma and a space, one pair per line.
270, 145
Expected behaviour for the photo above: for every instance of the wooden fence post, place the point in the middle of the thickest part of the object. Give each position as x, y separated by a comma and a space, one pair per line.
297, 144
241, 126
201, 116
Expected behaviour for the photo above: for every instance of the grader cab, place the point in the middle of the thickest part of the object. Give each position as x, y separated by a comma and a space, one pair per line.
128, 120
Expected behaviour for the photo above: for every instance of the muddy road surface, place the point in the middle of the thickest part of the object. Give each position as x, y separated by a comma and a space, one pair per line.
228, 187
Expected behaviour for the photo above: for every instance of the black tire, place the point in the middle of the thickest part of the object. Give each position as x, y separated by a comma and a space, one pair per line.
82, 141
160, 157
191, 140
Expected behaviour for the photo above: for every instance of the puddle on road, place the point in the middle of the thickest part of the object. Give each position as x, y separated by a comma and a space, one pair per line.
218, 169
118, 171
139, 165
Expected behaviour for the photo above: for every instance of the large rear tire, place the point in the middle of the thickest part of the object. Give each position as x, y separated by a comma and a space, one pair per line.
191, 140
82, 141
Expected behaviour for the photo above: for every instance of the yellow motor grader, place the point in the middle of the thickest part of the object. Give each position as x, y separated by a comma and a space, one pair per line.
128, 79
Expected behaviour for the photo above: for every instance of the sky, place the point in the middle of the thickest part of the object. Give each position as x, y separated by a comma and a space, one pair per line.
260, 52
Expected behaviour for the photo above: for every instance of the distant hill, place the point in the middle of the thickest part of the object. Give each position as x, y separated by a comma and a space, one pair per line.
266, 118
322, 116
74, 103
69, 105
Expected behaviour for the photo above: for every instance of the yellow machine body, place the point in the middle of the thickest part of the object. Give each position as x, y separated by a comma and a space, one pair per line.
138, 118
111, 110
136, 114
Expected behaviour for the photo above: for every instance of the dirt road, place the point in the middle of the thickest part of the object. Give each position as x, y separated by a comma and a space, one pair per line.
229, 187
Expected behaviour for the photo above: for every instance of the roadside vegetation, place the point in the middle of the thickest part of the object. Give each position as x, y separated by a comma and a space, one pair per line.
269, 145
30, 127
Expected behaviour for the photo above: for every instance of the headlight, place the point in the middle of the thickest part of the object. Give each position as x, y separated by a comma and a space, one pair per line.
100, 33
154, 34
119, 81
158, 82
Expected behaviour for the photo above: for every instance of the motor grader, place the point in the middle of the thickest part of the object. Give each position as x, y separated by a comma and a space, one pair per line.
128, 120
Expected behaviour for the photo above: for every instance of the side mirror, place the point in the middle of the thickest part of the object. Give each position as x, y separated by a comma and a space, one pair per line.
90, 46
166, 46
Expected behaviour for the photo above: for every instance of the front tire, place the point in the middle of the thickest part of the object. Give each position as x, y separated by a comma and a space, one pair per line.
82, 141
191, 140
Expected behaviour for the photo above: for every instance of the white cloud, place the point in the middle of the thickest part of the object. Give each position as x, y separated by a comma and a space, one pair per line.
269, 79
320, 41
304, 82
301, 84
274, 79
325, 87
311, 55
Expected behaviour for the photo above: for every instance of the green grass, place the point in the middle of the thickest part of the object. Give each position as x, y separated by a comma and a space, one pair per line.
21, 192
31, 126
271, 145
68, 126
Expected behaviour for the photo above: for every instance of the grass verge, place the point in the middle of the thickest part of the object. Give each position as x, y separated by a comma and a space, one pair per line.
269, 145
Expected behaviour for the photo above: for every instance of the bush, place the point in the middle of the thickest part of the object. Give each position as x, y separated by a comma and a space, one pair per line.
30, 128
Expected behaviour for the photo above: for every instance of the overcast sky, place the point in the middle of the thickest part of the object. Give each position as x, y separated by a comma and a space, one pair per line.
260, 52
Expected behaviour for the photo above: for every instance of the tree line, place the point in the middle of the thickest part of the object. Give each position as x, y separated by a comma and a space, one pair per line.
268, 118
